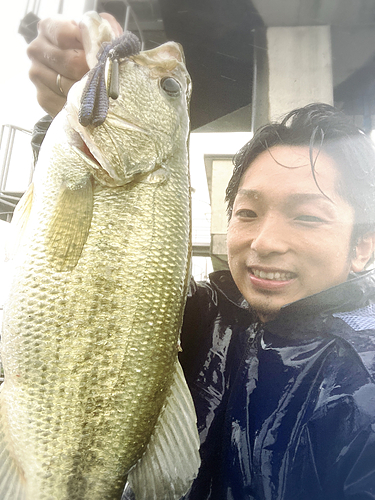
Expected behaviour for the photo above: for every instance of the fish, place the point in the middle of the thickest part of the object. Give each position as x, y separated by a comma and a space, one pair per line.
94, 397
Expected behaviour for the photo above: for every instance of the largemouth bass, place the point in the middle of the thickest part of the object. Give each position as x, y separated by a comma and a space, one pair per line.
93, 393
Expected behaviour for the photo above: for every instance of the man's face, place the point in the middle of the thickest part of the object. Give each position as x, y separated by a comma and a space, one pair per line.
286, 240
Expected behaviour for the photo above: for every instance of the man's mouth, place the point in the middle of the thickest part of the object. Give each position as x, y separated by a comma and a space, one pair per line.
272, 275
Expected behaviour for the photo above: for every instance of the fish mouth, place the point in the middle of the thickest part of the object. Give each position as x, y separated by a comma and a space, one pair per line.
82, 149
88, 149
87, 144
95, 165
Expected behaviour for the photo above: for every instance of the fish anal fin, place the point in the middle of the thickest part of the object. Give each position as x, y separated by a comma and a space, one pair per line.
171, 460
70, 224
19, 222
12, 481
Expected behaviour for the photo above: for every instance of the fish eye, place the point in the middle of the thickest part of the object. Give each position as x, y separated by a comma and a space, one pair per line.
171, 86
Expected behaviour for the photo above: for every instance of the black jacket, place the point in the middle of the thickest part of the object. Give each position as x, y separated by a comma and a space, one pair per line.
286, 410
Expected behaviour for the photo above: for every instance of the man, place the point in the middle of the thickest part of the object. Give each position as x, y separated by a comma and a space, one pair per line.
279, 353
284, 380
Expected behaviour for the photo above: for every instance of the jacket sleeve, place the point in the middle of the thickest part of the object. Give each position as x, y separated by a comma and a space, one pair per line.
196, 343
347, 419
196, 335
39, 133
206, 358
336, 459
360, 481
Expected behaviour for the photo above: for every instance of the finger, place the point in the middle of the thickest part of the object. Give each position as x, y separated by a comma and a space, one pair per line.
117, 29
61, 32
71, 63
44, 77
49, 100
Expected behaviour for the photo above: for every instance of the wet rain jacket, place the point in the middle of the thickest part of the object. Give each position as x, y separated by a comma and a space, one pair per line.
286, 410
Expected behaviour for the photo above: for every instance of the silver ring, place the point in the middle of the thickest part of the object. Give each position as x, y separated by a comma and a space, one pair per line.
58, 83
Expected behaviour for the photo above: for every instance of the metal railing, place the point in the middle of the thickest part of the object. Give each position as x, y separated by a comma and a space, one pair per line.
9, 167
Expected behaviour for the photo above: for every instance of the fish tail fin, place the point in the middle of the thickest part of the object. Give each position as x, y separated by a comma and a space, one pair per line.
171, 460
12, 482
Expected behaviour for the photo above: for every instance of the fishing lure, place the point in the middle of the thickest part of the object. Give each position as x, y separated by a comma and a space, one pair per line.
95, 96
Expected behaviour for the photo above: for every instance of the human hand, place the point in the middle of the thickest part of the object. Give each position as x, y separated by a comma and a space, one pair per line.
58, 50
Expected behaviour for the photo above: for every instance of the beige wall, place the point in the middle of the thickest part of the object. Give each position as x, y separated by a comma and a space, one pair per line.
219, 170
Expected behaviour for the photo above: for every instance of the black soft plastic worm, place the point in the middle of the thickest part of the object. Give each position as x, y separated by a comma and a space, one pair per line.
95, 101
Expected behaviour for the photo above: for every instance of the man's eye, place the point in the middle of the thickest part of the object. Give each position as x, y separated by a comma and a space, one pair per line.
246, 214
309, 218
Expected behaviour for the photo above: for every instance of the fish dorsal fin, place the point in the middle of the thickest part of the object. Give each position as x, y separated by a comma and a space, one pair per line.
171, 460
12, 482
70, 224
19, 222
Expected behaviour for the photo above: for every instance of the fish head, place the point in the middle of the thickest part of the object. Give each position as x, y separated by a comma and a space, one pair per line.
147, 125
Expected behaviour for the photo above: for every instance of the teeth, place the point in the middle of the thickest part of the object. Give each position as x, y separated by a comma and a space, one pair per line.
278, 276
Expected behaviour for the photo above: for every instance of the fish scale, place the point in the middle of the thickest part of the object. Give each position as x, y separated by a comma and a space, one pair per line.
93, 388
95, 302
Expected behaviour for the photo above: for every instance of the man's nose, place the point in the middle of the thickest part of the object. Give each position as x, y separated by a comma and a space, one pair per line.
270, 236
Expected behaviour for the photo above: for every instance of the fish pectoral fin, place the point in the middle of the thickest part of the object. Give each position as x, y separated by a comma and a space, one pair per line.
12, 482
19, 222
171, 460
70, 224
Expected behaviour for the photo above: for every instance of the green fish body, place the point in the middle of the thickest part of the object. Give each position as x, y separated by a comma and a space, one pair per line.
93, 394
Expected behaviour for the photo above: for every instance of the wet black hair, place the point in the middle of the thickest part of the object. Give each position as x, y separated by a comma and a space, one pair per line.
324, 129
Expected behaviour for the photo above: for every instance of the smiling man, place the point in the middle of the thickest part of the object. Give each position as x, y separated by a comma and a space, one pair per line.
280, 351
289, 234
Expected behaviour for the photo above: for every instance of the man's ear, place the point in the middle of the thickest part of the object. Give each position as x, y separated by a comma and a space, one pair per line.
363, 252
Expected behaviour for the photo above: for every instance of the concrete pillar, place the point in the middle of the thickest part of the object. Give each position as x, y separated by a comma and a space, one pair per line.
300, 67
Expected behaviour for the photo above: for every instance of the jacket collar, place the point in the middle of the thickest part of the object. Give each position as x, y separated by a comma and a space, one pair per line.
223, 282
354, 293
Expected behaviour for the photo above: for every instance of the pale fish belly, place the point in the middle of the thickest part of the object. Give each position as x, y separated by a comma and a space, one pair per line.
90, 353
